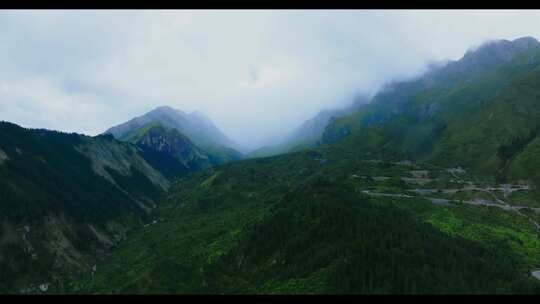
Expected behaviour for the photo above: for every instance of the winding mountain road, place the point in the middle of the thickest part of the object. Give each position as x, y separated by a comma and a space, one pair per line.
497, 202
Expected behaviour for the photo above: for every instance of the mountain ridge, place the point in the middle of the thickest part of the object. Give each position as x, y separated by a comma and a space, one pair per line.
198, 127
309, 133
422, 116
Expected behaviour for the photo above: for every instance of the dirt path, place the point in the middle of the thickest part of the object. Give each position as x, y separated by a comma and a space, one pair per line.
471, 186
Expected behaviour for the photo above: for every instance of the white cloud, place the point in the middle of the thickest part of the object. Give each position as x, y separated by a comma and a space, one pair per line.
257, 74
61, 109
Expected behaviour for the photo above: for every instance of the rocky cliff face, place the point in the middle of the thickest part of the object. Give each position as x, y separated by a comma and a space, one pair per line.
171, 144
107, 154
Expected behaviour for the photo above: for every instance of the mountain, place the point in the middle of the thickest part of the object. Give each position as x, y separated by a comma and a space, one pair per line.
69, 199
480, 113
66, 201
170, 152
196, 126
419, 191
421, 115
430, 188
309, 133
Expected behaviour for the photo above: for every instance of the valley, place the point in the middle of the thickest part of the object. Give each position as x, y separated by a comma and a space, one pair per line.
234, 200
429, 187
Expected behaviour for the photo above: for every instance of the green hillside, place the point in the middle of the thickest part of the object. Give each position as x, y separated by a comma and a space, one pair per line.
480, 119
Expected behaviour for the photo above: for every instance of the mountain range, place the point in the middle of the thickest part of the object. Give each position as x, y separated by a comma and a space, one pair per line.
430, 186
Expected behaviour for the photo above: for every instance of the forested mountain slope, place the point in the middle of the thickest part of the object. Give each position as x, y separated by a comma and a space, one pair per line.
480, 112
65, 200
301, 223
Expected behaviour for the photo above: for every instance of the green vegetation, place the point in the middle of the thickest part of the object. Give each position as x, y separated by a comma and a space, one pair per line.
424, 118
51, 189
298, 223
311, 228
378, 208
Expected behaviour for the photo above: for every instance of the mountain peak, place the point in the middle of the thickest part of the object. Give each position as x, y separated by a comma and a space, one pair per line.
500, 50
195, 125
526, 41
164, 108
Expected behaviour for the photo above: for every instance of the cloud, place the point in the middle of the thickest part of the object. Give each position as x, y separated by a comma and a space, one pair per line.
256, 74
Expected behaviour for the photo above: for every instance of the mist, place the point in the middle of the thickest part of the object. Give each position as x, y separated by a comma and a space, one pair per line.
257, 74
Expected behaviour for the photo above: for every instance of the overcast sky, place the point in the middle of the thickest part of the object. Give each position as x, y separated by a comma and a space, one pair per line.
256, 74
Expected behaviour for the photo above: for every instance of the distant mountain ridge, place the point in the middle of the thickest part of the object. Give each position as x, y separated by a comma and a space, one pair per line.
194, 125
310, 132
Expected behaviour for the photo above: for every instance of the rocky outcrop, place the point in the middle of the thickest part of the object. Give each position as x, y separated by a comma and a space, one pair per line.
120, 157
171, 143
3, 157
